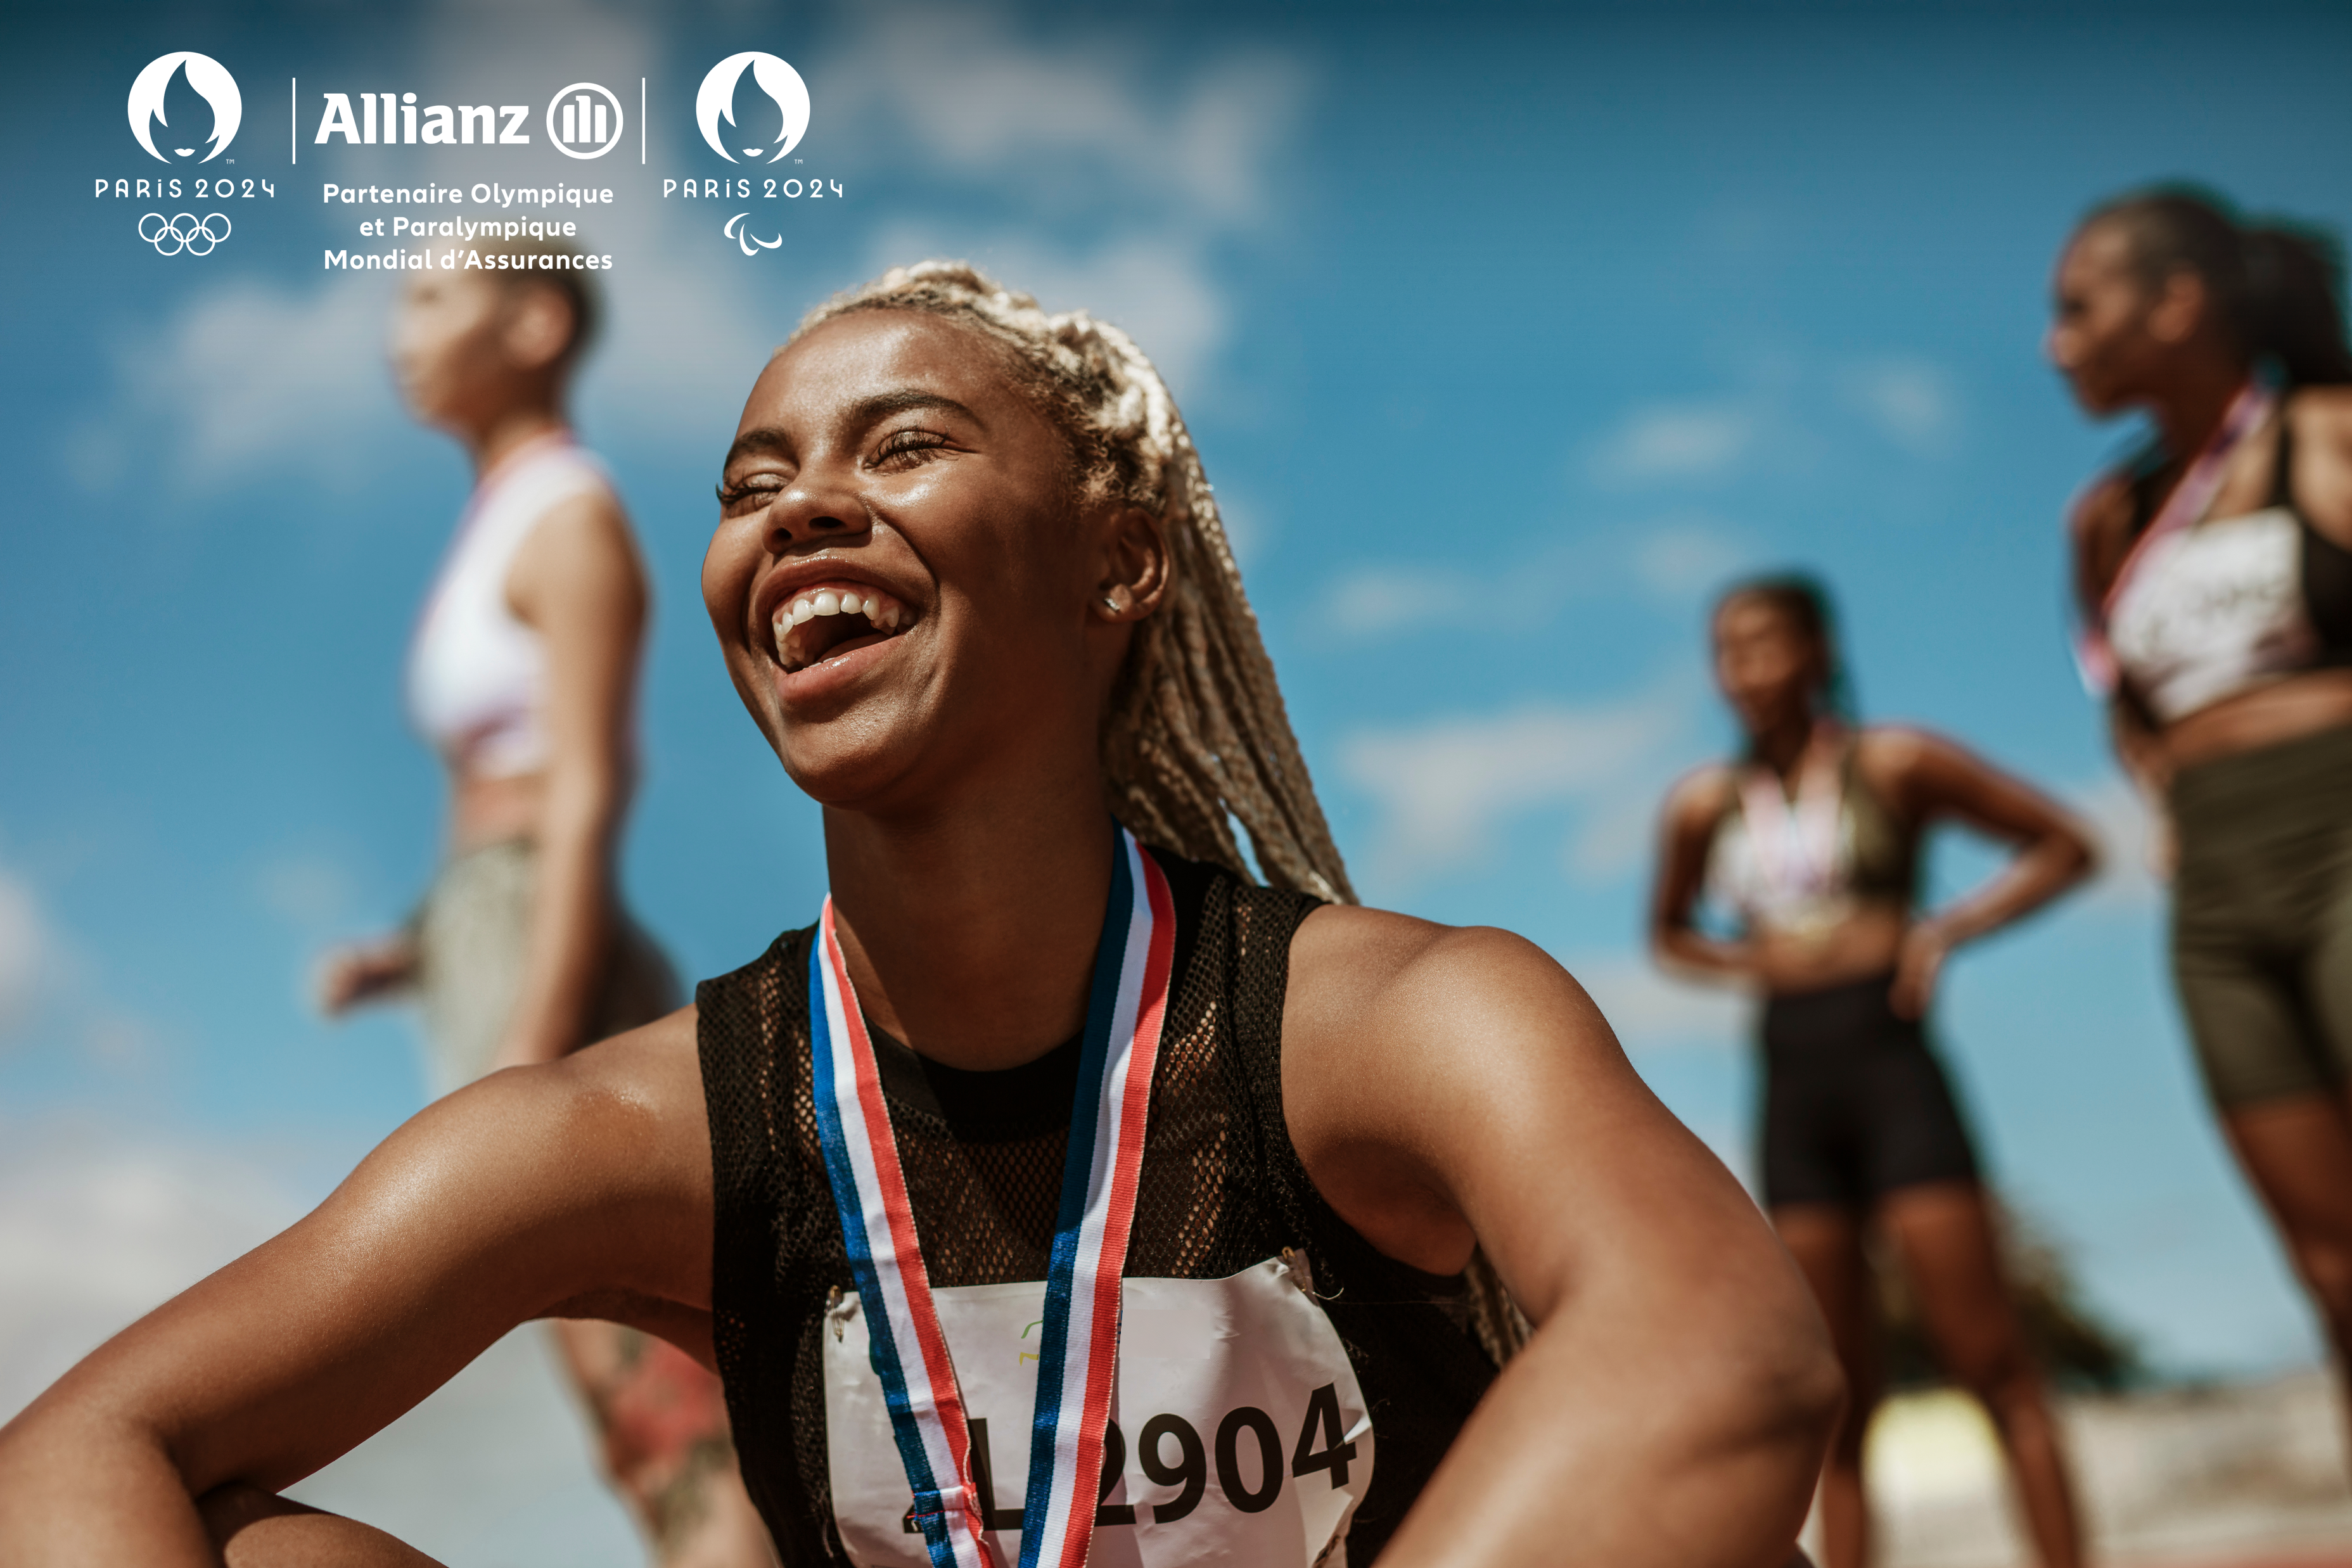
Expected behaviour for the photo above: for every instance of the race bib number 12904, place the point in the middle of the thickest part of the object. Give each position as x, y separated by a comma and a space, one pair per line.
1238, 1432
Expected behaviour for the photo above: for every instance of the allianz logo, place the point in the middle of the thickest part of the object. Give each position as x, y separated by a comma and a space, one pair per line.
584, 120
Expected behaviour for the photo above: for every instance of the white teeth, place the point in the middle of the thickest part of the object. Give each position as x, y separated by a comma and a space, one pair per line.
887, 615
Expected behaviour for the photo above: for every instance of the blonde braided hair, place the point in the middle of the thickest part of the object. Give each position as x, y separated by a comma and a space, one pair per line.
1197, 736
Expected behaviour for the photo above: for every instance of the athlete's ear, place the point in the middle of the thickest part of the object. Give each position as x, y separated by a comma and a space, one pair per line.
2182, 302
539, 326
1132, 577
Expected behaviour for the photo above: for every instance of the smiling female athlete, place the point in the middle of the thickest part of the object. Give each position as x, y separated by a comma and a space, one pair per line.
1062, 1195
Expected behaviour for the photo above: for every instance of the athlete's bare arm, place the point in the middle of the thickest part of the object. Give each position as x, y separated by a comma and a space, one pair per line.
576, 581
1927, 778
1448, 1086
2321, 478
1693, 808
582, 1188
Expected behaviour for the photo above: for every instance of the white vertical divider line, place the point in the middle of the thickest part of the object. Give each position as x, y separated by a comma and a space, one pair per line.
293, 119
641, 122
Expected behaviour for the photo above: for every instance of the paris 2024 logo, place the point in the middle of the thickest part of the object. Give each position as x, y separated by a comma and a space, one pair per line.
184, 234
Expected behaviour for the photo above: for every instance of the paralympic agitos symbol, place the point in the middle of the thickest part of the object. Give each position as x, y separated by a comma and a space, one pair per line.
716, 102
212, 83
746, 238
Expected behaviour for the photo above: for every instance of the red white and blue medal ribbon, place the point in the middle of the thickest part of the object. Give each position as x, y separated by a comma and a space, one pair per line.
2095, 658
1079, 1357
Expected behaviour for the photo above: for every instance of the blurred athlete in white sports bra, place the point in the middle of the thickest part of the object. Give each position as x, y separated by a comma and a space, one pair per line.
2213, 575
522, 675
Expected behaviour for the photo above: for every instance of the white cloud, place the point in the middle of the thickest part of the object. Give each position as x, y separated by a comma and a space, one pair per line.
1086, 121
48, 992
1912, 401
1669, 558
1447, 787
1375, 600
28, 952
1681, 558
1669, 442
96, 1231
253, 374
1164, 170
1787, 413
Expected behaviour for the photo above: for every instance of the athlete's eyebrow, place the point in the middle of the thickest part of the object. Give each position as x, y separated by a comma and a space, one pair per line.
767, 441
763, 441
884, 404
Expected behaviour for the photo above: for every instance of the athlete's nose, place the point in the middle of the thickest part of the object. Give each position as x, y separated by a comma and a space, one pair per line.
810, 510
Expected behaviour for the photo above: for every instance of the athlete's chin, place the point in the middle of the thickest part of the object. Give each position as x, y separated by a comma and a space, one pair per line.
2096, 396
845, 742
848, 765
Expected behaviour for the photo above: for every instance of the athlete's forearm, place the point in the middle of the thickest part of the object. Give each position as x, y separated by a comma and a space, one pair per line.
1632, 1450
78, 1488
2038, 874
570, 911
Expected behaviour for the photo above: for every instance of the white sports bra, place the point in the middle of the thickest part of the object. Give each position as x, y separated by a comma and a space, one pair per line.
2214, 610
2203, 611
477, 675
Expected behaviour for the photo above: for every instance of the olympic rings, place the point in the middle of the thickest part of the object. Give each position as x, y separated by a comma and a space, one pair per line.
184, 233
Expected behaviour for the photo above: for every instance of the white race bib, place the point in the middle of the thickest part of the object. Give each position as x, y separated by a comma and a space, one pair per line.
1239, 1433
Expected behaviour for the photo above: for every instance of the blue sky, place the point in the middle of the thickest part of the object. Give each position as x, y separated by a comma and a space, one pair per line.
1505, 340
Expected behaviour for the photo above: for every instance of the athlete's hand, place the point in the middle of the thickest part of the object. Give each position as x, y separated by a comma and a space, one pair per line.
364, 971
1918, 967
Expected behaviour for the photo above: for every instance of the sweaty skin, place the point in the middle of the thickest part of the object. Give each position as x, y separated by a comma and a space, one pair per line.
1442, 1085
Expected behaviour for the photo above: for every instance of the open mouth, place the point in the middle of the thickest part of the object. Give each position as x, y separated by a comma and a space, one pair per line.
834, 619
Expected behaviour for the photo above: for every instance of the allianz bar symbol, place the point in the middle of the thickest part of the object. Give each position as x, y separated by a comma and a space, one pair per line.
584, 122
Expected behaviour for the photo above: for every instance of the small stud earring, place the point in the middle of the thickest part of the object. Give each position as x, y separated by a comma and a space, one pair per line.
1112, 604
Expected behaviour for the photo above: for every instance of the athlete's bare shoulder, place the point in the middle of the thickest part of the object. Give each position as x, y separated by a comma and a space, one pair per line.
2100, 526
1409, 1051
2321, 418
2323, 413
1889, 754
1700, 796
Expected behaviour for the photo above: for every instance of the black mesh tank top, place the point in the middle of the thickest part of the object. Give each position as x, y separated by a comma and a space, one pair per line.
1220, 1189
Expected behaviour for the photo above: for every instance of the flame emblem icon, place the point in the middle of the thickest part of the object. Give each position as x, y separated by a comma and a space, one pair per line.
212, 84
716, 102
